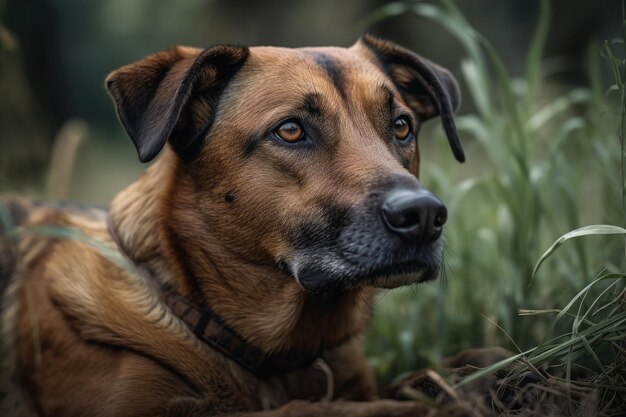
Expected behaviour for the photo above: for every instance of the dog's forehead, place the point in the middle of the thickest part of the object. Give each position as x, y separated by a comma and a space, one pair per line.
339, 64
276, 77
345, 58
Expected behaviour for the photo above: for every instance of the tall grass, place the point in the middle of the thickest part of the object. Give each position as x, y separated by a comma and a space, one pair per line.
546, 162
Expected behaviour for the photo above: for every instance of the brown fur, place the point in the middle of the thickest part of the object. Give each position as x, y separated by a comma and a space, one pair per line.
91, 334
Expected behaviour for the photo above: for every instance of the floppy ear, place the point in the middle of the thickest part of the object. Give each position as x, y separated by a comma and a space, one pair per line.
427, 89
153, 96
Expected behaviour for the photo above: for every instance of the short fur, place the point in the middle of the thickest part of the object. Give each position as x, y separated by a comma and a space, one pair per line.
282, 241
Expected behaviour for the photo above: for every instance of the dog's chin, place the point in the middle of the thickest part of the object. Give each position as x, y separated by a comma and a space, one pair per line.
315, 279
402, 279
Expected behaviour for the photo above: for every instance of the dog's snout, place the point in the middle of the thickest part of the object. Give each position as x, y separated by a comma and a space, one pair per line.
416, 215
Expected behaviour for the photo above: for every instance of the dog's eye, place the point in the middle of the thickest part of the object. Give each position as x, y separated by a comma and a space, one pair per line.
402, 128
290, 131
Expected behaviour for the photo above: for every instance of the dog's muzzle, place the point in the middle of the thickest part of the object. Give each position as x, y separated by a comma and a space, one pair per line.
392, 238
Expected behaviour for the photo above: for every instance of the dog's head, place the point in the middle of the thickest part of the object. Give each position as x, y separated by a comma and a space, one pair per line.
305, 159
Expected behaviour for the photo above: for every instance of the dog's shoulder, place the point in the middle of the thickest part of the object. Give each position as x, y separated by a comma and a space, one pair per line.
62, 247
30, 232
62, 270
51, 247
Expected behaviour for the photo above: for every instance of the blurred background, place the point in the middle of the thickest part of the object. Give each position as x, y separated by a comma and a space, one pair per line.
540, 121
55, 55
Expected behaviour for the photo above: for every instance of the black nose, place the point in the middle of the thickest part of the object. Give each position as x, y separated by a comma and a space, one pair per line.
416, 215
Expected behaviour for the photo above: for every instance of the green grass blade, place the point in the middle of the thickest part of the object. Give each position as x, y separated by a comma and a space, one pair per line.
558, 106
475, 83
63, 232
535, 52
619, 81
597, 229
385, 12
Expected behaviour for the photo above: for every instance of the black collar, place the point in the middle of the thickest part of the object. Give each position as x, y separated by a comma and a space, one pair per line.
210, 328
213, 331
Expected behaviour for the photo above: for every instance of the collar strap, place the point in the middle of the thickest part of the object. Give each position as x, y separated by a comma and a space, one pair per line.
210, 328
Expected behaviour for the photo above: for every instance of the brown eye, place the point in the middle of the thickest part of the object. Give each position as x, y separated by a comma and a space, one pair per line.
402, 128
290, 131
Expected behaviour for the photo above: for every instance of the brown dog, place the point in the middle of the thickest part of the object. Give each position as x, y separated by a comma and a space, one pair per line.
234, 275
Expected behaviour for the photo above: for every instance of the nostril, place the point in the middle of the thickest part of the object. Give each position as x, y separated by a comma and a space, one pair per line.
399, 215
440, 217
398, 218
411, 218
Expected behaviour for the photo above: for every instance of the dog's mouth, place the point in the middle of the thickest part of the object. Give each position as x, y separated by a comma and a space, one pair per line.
380, 264
330, 270
386, 276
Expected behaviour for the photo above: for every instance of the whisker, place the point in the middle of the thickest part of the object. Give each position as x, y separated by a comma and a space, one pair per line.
264, 278
381, 298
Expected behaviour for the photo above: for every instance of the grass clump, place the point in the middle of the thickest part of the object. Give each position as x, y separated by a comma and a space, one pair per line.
546, 163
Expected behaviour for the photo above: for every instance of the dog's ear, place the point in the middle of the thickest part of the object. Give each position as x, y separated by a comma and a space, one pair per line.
154, 97
427, 89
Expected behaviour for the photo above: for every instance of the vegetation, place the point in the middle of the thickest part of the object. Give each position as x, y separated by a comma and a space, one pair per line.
547, 161
543, 161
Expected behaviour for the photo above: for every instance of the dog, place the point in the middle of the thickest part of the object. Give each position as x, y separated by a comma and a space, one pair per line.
234, 276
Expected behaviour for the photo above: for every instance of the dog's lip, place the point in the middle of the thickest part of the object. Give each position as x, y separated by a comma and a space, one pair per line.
424, 261
398, 274
389, 276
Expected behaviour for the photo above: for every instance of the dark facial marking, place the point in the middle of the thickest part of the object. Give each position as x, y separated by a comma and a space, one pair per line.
325, 228
333, 71
252, 143
312, 104
390, 99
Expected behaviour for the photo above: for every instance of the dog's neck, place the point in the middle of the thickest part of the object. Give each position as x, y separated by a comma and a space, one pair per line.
262, 303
